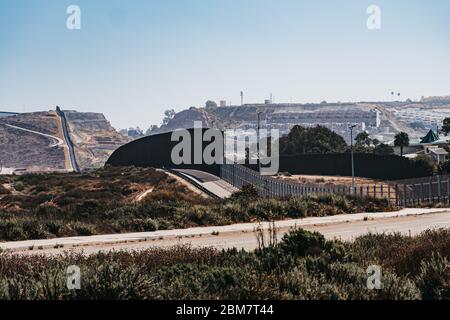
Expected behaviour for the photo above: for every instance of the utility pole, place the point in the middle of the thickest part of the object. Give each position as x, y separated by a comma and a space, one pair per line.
353, 160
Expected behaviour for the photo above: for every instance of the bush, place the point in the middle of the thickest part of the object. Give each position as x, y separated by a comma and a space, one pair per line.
83, 229
247, 192
113, 281
434, 278
19, 186
12, 231
3, 190
150, 225
302, 243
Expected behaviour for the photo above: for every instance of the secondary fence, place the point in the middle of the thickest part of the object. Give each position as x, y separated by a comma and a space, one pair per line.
433, 189
402, 193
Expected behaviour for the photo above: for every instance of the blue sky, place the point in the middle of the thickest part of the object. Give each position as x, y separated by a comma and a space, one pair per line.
133, 59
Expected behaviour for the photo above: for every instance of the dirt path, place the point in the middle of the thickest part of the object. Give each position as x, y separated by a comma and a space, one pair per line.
140, 197
243, 236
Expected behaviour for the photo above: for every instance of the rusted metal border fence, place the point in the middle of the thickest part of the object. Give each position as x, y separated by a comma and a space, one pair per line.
238, 176
401, 193
429, 190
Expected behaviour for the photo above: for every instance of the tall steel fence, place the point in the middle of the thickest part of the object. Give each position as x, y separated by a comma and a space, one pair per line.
402, 193
435, 189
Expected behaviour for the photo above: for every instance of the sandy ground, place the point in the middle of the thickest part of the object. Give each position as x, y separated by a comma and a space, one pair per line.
364, 186
329, 180
141, 196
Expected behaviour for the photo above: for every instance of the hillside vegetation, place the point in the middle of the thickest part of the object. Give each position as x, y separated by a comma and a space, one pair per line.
105, 201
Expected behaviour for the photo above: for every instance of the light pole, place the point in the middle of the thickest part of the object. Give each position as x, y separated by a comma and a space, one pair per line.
353, 160
259, 137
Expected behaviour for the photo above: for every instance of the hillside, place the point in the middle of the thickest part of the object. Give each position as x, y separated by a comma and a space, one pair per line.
23, 148
34, 142
93, 137
382, 120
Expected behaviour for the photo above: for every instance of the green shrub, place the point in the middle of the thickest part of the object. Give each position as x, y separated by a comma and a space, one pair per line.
12, 231
3, 190
247, 192
150, 225
53, 227
434, 278
83, 229
113, 281
301, 243
19, 186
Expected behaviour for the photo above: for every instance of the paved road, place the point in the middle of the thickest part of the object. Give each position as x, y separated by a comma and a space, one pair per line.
242, 236
201, 176
210, 182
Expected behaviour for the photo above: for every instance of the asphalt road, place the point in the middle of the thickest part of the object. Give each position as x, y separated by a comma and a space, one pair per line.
210, 182
201, 176
243, 236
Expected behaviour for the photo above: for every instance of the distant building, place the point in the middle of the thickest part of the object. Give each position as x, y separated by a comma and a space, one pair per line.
369, 118
132, 132
439, 155
431, 145
430, 137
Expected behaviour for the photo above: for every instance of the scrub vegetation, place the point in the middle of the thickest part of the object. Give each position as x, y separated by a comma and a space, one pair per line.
302, 266
108, 201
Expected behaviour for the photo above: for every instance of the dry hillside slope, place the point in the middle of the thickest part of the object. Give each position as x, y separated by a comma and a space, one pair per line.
35, 141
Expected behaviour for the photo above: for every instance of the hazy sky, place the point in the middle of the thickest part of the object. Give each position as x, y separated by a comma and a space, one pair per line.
133, 59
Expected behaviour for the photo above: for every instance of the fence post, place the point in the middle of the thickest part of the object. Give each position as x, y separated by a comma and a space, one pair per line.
430, 192
439, 188
389, 194
397, 199
404, 194
448, 190
423, 192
